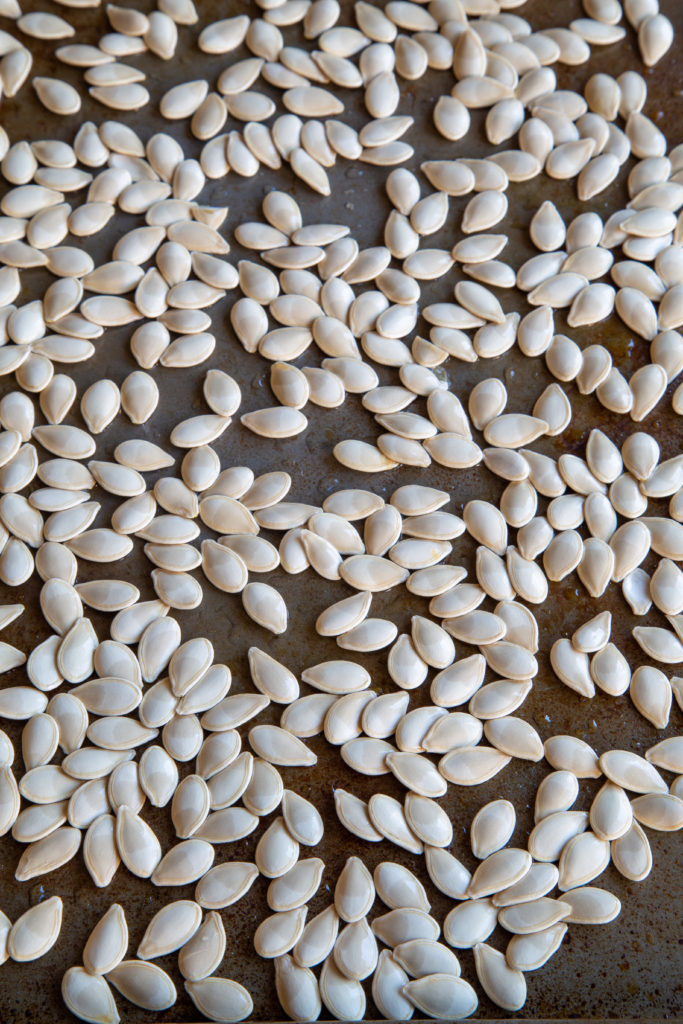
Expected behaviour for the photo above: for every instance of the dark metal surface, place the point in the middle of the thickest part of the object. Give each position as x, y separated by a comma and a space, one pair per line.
631, 968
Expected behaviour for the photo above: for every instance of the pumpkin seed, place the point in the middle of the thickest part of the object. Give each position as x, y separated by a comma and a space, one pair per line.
137, 844
36, 931
170, 928
143, 984
504, 985
220, 998
87, 994
442, 996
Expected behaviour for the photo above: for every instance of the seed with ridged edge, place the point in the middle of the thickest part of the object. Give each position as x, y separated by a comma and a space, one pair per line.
504, 985
35, 931
220, 998
88, 996
170, 928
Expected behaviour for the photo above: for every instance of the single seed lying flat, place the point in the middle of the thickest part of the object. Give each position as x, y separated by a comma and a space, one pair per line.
36, 931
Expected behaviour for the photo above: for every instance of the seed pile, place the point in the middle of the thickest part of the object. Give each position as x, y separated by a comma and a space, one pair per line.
146, 713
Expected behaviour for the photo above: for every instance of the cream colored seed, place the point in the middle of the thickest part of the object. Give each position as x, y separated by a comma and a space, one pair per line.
36, 931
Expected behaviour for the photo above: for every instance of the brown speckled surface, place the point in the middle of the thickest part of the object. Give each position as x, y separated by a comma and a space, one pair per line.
631, 969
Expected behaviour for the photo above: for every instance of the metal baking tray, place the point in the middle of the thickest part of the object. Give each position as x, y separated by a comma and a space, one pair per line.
630, 969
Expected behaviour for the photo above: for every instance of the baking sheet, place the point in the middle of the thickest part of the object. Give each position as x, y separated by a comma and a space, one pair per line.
631, 968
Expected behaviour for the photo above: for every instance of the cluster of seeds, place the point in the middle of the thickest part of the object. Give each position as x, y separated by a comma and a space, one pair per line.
178, 926
143, 715
421, 38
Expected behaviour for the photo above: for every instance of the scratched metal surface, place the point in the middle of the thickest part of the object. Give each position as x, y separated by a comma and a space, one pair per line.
631, 969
